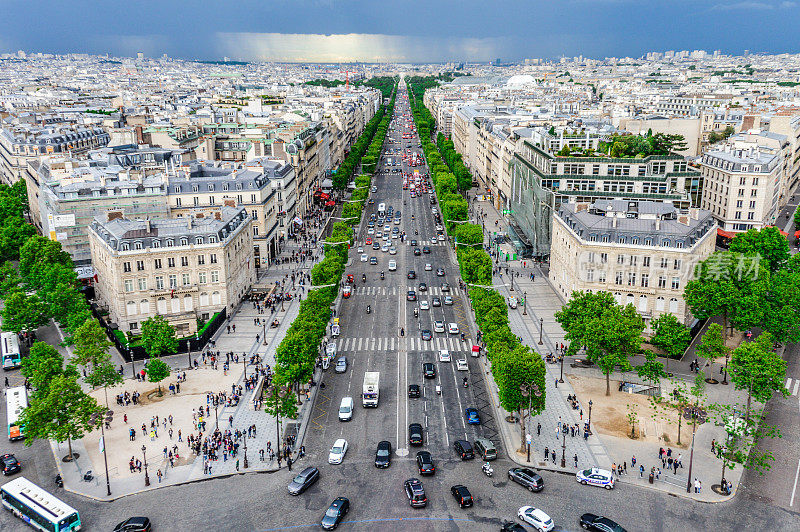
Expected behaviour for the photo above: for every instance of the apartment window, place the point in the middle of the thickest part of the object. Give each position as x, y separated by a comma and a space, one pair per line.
590, 276
631, 279
211, 200
254, 214
210, 187
225, 186
595, 169
238, 186
212, 240
603, 258
213, 258
634, 259
620, 259
741, 192
676, 283
186, 279
173, 281
645, 280
159, 282
171, 262
196, 201
184, 261
126, 267
646, 262
128, 285
184, 241
198, 240
125, 247
740, 204
194, 188
139, 265
177, 202
156, 243
601, 276
754, 193
201, 259
618, 278
662, 281
142, 283
201, 278
255, 230
751, 216
137, 245
677, 264
157, 264
742, 181
239, 198
663, 262
738, 215
590, 257
753, 204
252, 198
215, 276
755, 181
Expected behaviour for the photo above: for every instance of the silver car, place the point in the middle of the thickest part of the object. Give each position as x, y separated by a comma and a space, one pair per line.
341, 364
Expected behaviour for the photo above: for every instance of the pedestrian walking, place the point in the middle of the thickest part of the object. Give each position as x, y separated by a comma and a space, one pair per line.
237, 464
538, 429
159, 475
641, 471
546, 453
576, 460
289, 462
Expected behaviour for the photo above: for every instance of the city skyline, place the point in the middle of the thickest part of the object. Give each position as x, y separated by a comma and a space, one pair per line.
336, 31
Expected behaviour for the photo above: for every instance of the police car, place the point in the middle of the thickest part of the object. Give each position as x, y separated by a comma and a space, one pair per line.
596, 477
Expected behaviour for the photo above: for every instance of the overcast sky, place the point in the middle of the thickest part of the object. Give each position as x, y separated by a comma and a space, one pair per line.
395, 30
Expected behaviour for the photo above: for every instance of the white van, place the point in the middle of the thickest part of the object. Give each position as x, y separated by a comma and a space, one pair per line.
381, 209
346, 409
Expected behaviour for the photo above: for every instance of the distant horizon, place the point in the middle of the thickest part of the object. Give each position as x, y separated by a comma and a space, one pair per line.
412, 31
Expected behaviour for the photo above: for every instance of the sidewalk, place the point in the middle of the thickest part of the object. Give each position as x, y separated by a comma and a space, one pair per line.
536, 319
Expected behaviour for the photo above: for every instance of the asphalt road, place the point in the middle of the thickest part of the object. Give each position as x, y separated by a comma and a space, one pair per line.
260, 501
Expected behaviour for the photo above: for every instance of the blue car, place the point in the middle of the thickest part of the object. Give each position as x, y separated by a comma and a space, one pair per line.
472, 416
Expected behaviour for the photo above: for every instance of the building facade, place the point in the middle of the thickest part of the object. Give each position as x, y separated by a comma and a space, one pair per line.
183, 269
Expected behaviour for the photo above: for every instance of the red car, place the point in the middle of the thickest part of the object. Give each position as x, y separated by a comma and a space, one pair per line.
368, 241
347, 291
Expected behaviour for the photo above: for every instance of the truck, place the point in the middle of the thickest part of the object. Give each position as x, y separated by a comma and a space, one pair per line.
369, 396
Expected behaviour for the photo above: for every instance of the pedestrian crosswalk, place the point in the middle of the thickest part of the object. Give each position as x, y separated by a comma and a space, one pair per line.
451, 343
421, 243
394, 290
793, 385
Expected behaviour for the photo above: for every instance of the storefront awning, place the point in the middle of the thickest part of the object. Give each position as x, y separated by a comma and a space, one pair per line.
725, 234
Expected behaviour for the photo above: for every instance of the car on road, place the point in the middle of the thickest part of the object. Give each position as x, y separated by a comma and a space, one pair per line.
429, 370
596, 477
368, 242
463, 449
364, 257
373, 260
536, 518
440, 272
448, 300
511, 526
461, 364
428, 267
376, 246
413, 242
10, 464
411, 295
370, 230
425, 463
512, 302
392, 250
442, 238
134, 524
392, 265
444, 355
413, 390
304, 480
438, 326
415, 493
360, 249
452, 328
341, 364
385, 248
472, 416
417, 252
347, 291
426, 250
427, 335
423, 287
599, 524
383, 454
339, 449
415, 434
445, 287
436, 301
424, 305
335, 513
462, 495
412, 274
526, 477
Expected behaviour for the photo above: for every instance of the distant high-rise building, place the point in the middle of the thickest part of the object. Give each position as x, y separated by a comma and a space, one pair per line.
139, 55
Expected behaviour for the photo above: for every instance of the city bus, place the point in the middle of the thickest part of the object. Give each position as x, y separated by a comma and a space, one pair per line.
16, 402
37, 507
9, 341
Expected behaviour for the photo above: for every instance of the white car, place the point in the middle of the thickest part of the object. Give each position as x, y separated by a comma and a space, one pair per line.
385, 248
392, 250
424, 305
461, 364
338, 451
512, 302
364, 257
379, 234
596, 477
442, 237
428, 267
392, 265
438, 326
452, 328
444, 355
360, 249
536, 518
371, 231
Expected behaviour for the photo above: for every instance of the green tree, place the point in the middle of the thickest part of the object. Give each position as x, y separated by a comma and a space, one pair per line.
469, 235
91, 351
38, 252
782, 305
651, 370
158, 336
475, 266
63, 413
768, 244
712, 346
755, 367
41, 365
24, 312
9, 279
13, 235
157, 370
670, 335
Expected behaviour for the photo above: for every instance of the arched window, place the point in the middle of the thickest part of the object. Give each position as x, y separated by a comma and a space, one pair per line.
170, 242
162, 305
188, 303
660, 304
673, 305
184, 241
144, 306
216, 298
137, 245
642, 303
204, 299
629, 300
175, 305
125, 247
156, 243
198, 240
131, 307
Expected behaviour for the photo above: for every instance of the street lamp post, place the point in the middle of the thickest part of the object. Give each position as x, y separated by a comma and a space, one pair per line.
130, 354
561, 378
246, 465
524, 303
590, 416
216, 412
529, 389
196, 345
146, 476
541, 329
563, 448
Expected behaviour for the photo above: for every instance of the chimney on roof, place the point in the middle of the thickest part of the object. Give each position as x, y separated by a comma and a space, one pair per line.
614, 222
217, 215
113, 215
658, 224
147, 225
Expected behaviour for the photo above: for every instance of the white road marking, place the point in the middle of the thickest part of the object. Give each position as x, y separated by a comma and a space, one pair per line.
794, 489
788, 383
796, 385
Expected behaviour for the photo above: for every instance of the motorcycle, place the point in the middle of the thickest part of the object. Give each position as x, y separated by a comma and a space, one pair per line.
364, 278
466, 383
59, 481
487, 470
382, 276
369, 310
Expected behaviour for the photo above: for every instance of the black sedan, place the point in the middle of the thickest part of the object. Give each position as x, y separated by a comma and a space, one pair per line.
526, 477
462, 495
411, 296
423, 287
427, 335
599, 523
425, 463
440, 272
10, 464
429, 370
446, 287
511, 526
415, 434
383, 455
412, 274
417, 252
426, 249
335, 513
413, 390
134, 524
415, 493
